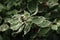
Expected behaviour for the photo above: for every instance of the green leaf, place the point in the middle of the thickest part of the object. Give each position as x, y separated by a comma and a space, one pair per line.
32, 5
19, 30
26, 14
11, 12
58, 8
9, 5
4, 27
1, 7
52, 2
16, 26
40, 21
27, 27
15, 22
45, 23
58, 23
54, 27
37, 20
43, 31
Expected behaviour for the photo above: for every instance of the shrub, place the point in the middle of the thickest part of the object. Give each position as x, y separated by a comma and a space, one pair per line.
29, 19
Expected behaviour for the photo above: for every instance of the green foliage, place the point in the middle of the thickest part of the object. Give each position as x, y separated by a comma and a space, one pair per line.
32, 19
